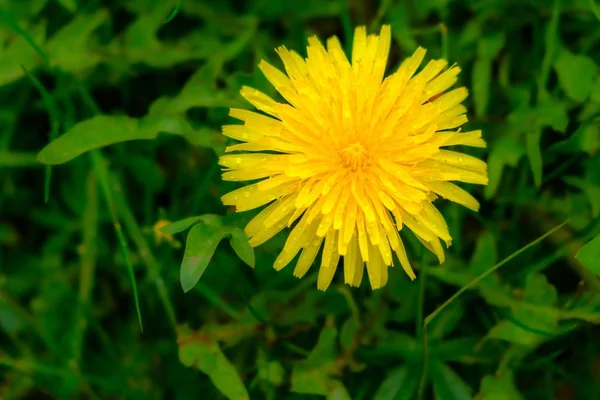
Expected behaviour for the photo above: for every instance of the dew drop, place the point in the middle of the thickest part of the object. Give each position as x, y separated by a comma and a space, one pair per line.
238, 160
247, 194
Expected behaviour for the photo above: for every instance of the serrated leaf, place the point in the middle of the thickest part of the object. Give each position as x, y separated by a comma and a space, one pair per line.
196, 352
68, 50
315, 375
591, 190
499, 387
399, 384
505, 151
199, 91
585, 139
241, 246
447, 384
488, 48
576, 74
534, 318
104, 130
202, 241
589, 255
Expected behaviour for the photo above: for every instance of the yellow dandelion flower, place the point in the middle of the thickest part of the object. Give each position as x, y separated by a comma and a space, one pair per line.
352, 158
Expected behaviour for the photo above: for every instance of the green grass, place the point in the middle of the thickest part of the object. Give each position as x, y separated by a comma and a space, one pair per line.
109, 123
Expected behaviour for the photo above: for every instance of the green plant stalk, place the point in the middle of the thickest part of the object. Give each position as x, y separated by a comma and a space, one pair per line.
146, 255
88, 265
54, 125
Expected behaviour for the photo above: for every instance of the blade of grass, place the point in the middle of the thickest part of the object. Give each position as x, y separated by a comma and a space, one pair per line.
174, 12
101, 170
475, 281
96, 157
88, 253
421, 331
99, 165
12, 22
54, 125
346, 26
135, 232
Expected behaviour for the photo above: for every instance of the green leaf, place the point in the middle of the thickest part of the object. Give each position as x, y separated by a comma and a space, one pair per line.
591, 190
534, 153
499, 387
22, 51
181, 225
241, 246
488, 49
447, 385
534, 318
315, 375
399, 384
585, 139
68, 50
505, 151
272, 372
104, 130
589, 255
199, 91
202, 241
399, 18
576, 74
349, 331
196, 351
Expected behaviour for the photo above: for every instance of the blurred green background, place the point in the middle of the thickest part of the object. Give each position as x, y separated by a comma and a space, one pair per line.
137, 90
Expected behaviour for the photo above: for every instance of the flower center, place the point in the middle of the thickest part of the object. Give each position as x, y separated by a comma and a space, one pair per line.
354, 156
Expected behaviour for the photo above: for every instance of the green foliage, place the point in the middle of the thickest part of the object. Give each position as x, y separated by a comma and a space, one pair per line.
110, 124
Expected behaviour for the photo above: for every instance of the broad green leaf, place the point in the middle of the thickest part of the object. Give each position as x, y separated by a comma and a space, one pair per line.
19, 53
504, 152
202, 241
68, 48
104, 130
241, 246
499, 387
197, 350
533, 319
447, 385
399, 384
589, 255
576, 74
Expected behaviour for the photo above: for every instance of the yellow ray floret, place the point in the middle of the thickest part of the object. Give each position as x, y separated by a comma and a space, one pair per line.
348, 157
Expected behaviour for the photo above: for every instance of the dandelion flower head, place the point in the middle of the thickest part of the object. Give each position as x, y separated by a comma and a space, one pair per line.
351, 158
